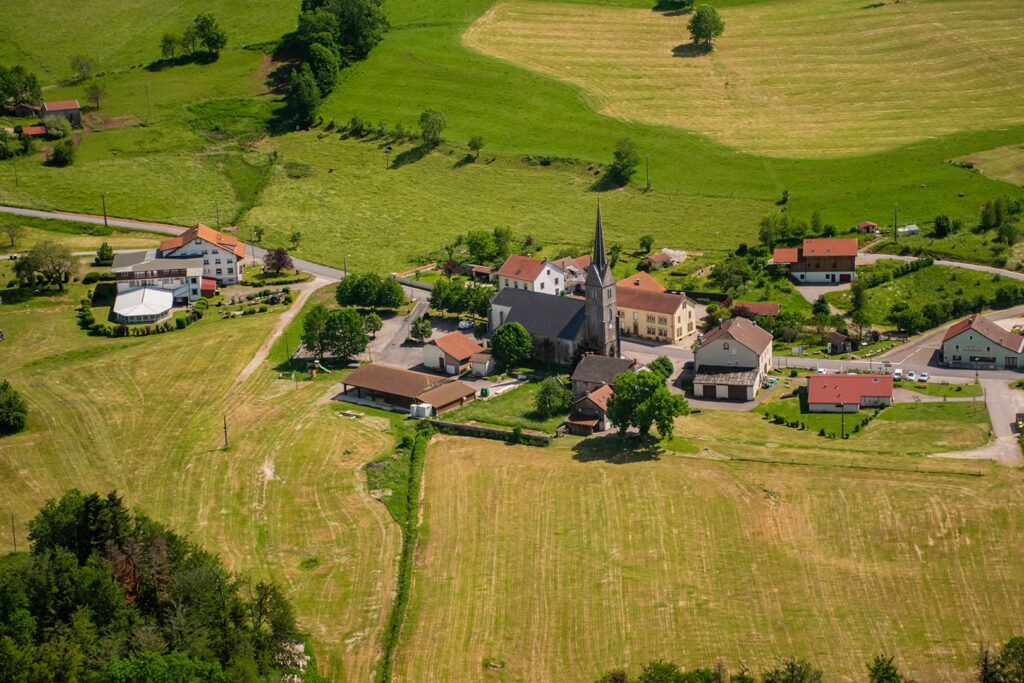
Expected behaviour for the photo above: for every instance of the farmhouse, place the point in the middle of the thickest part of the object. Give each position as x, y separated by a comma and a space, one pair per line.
820, 261
640, 280
654, 315
594, 372
867, 227
847, 393
69, 109
221, 254
732, 361
589, 413
533, 275
658, 260
451, 354
977, 342
148, 286
575, 270
561, 325
402, 388
754, 309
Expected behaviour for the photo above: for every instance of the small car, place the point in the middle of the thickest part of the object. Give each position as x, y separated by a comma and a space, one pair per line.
465, 324
911, 376
822, 371
923, 377
897, 374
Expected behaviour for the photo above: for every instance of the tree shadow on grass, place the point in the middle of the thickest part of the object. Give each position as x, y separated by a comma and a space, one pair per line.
608, 181
616, 449
464, 161
673, 8
181, 60
689, 50
412, 155
19, 295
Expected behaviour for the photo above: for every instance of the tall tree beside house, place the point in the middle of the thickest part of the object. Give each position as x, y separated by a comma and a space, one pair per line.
303, 97
662, 365
18, 84
323, 61
63, 153
552, 398
705, 25
502, 242
13, 410
511, 344
642, 401
614, 252
421, 329
277, 260
345, 334
646, 243
480, 245
369, 290
314, 326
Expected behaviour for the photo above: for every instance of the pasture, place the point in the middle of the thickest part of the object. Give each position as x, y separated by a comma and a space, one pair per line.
772, 86
1003, 163
144, 416
564, 563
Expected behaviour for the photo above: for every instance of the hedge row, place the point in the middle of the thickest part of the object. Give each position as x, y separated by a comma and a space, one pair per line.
87, 321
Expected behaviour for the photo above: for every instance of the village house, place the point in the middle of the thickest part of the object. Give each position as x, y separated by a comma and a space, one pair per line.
847, 393
69, 109
867, 227
400, 388
222, 254
574, 271
451, 353
756, 309
589, 413
533, 275
977, 342
641, 280
820, 260
836, 343
658, 316
594, 371
148, 286
658, 260
562, 325
732, 361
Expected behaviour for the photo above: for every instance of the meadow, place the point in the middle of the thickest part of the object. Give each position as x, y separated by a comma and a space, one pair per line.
77, 236
1003, 163
144, 416
562, 563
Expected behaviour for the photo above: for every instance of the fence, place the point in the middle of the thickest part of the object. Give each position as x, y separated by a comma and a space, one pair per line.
490, 432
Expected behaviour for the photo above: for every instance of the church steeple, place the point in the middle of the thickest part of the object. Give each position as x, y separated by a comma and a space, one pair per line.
602, 312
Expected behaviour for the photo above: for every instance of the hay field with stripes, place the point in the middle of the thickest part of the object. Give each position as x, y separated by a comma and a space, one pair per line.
566, 563
796, 78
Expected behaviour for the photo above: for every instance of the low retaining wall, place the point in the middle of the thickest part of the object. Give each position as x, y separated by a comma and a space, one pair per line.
461, 429
414, 283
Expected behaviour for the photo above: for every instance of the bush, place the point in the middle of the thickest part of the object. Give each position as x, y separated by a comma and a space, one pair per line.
264, 308
93, 277
13, 410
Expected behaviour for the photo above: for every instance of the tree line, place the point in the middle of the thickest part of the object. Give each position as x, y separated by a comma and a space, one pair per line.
204, 34
344, 333
108, 594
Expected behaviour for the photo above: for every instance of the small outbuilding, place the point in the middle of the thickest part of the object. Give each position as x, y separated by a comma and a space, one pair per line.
69, 109
483, 364
867, 227
836, 343
451, 353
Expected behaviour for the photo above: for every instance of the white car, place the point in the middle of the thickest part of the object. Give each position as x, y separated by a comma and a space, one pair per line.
465, 324
923, 377
911, 376
897, 374
822, 371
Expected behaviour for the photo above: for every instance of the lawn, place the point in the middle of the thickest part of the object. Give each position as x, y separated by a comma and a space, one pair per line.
946, 389
77, 236
144, 416
508, 410
771, 74
793, 410
565, 563
934, 284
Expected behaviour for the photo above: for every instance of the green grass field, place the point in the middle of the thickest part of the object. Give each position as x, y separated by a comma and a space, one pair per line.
514, 408
77, 236
566, 563
933, 284
144, 416
946, 389
1003, 163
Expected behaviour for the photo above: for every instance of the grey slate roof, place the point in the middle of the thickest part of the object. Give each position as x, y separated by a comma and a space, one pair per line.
715, 374
139, 261
543, 315
600, 369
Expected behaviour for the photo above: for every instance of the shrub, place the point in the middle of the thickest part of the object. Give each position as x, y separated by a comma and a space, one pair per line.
181, 323
264, 308
13, 410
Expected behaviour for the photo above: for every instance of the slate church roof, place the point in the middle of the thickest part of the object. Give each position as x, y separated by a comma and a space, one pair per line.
543, 315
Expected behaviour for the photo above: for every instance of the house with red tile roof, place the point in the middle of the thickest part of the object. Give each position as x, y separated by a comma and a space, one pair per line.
69, 109
732, 361
589, 413
753, 309
531, 274
655, 315
641, 280
977, 342
820, 260
222, 254
847, 393
451, 353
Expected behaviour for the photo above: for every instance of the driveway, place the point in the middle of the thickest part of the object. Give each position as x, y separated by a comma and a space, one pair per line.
1003, 404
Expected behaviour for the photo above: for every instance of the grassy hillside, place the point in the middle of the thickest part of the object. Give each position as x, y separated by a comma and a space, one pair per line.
144, 416
563, 565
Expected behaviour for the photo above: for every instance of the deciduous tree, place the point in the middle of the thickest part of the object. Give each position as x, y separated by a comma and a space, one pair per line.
324, 63
277, 260
82, 67
303, 97
209, 33
13, 231
95, 93
662, 365
625, 159
421, 329
345, 334
169, 45
552, 397
705, 25
476, 143
432, 123
643, 401
51, 260
511, 344
13, 410
372, 323
646, 243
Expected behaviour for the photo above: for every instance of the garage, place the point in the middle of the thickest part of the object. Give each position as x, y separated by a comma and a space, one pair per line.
737, 393
710, 391
725, 383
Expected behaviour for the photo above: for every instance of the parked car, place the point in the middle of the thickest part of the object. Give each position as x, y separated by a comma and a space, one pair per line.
923, 377
465, 324
911, 376
1020, 422
897, 374
822, 371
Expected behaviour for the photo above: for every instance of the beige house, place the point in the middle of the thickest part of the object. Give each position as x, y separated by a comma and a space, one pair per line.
659, 316
732, 361
451, 353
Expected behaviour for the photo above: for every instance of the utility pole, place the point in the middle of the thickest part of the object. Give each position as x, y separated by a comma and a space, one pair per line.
103, 198
16, 171
225, 432
647, 164
14, 539
344, 267
895, 222
147, 105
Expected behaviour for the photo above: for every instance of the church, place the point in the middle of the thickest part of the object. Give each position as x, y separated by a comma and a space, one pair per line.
565, 327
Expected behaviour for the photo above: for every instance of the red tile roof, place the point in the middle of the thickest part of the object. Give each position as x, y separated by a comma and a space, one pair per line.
521, 267
742, 331
207, 234
600, 396
989, 330
659, 258
33, 130
847, 389
786, 255
752, 309
208, 284
646, 300
457, 345
580, 263
846, 246
641, 280
60, 105
867, 224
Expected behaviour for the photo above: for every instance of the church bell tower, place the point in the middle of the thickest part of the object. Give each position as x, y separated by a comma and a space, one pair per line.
602, 312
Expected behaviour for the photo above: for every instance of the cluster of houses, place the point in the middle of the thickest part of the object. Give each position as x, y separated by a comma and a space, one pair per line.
68, 109
151, 283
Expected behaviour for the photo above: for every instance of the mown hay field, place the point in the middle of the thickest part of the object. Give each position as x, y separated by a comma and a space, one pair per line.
143, 416
564, 563
798, 78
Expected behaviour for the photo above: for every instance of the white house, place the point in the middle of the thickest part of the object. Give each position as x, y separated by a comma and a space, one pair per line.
977, 342
148, 286
534, 275
221, 254
732, 361
451, 353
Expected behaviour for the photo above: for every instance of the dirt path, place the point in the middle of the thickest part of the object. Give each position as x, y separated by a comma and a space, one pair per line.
304, 290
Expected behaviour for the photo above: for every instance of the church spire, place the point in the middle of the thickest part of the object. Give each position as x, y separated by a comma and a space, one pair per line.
599, 273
